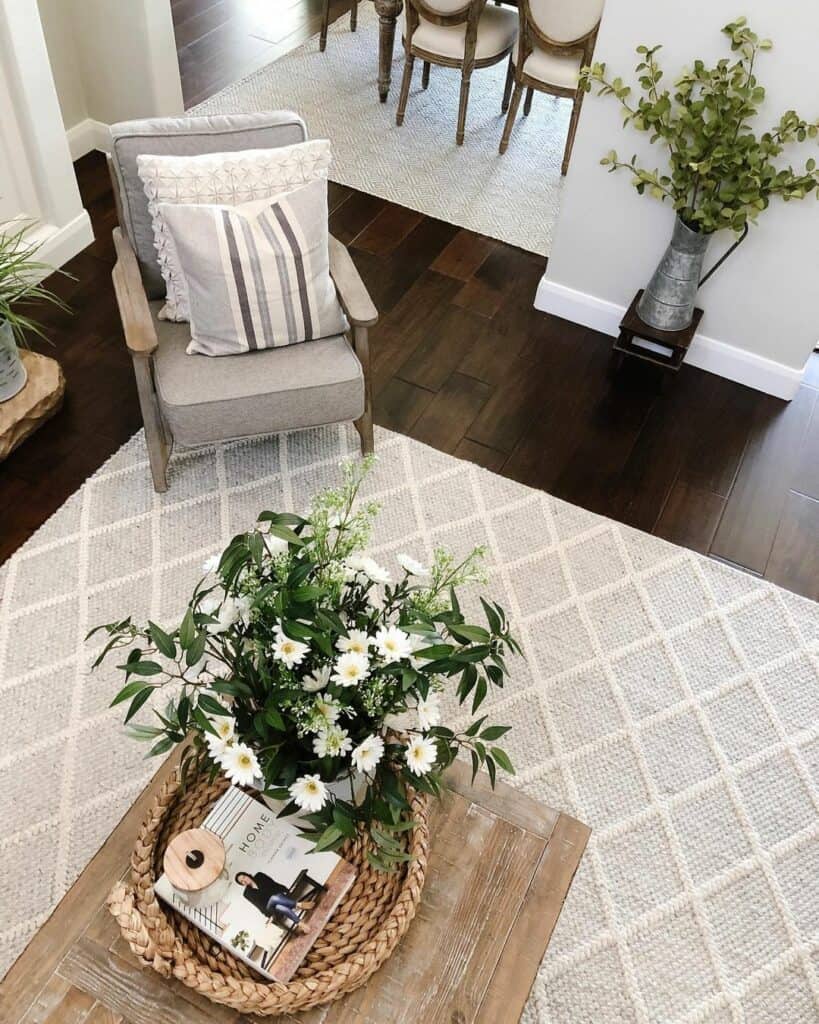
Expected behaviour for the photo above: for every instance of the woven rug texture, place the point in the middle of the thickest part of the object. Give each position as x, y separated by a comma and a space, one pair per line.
514, 197
670, 702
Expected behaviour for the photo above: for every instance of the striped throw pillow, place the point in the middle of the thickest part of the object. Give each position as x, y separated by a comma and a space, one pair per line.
258, 274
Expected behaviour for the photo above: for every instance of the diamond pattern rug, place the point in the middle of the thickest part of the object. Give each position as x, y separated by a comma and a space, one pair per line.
514, 197
670, 702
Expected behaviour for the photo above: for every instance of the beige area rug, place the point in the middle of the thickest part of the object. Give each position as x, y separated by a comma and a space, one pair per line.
670, 702
514, 197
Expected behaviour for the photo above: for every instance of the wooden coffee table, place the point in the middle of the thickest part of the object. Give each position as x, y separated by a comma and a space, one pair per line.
500, 868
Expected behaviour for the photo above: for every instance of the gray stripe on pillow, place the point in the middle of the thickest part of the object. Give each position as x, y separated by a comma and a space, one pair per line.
284, 277
239, 279
268, 337
287, 230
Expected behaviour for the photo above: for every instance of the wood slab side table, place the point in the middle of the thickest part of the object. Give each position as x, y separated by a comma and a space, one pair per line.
38, 401
499, 871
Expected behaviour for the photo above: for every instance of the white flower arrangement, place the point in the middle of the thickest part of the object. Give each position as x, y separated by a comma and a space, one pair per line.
300, 662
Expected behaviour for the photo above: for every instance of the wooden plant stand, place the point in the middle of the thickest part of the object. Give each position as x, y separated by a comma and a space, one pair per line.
38, 401
668, 347
499, 870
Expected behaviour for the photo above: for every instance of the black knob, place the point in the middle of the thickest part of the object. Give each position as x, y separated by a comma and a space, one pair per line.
195, 859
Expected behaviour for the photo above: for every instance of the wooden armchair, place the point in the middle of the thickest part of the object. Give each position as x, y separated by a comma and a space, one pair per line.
190, 400
555, 40
463, 34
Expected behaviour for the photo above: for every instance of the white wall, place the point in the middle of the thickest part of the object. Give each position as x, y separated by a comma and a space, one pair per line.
762, 307
112, 61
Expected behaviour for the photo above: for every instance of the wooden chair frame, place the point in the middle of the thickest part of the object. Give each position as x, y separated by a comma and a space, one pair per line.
325, 22
527, 35
471, 14
141, 339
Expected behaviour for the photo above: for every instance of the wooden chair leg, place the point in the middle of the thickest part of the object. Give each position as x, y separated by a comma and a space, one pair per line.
409, 61
364, 424
567, 152
465, 82
425, 75
354, 16
155, 439
507, 89
510, 117
325, 22
527, 106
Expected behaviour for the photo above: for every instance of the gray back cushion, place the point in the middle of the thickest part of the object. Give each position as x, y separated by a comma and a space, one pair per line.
185, 136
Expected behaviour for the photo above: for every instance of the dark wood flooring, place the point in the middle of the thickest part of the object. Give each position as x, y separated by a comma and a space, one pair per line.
463, 362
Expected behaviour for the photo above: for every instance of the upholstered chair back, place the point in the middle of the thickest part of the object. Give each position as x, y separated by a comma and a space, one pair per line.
564, 22
451, 11
184, 136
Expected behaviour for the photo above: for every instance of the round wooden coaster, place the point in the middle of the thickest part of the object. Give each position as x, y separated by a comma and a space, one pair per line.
194, 860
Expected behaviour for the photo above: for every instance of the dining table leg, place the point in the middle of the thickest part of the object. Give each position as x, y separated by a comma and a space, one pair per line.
387, 11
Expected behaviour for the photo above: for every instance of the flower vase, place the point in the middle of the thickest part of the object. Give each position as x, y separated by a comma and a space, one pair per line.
13, 374
667, 303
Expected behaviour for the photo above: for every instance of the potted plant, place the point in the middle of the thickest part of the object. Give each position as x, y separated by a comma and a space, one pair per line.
721, 174
300, 665
20, 273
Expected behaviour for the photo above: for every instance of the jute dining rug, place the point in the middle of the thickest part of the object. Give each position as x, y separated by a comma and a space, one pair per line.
514, 197
668, 701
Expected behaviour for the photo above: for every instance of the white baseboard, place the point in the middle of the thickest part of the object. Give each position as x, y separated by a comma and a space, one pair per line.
87, 136
706, 353
59, 244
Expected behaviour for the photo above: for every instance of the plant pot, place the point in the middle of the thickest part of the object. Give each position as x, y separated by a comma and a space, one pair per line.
13, 374
667, 303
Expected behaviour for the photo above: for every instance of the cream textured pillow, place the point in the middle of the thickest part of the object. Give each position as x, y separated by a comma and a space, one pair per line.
220, 178
258, 274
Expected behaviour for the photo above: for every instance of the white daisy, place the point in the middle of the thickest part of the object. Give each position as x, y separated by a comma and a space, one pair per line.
421, 754
368, 753
356, 640
368, 567
309, 793
239, 764
332, 742
290, 652
225, 727
411, 566
327, 708
429, 711
351, 669
317, 680
393, 644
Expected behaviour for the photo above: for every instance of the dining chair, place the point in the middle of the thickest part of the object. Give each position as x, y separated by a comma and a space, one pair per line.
556, 39
192, 400
463, 34
325, 22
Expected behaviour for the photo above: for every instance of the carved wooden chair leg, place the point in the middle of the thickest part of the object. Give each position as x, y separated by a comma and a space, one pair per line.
425, 75
507, 89
325, 21
567, 152
466, 75
409, 61
510, 117
354, 16
527, 106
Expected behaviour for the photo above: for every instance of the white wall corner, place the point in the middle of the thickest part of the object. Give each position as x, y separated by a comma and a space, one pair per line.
59, 244
710, 354
87, 136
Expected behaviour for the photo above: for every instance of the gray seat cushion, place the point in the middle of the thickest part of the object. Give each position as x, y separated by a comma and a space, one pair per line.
208, 399
185, 136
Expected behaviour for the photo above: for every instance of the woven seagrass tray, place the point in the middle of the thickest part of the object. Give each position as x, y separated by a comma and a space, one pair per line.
360, 936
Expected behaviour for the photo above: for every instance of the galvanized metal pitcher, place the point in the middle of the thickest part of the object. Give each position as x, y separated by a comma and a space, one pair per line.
12, 371
668, 300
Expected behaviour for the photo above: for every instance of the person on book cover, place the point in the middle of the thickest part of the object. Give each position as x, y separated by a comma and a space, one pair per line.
272, 898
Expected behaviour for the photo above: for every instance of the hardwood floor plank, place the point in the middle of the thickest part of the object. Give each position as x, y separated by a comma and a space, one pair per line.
448, 416
489, 458
794, 559
690, 517
806, 477
442, 350
486, 290
387, 229
749, 524
354, 215
399, 405
464, 255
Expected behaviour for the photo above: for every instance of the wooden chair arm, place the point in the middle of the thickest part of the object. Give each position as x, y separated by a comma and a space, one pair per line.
352, 294
137, 322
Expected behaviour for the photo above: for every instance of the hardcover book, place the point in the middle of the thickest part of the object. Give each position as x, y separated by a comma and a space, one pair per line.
274, 895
